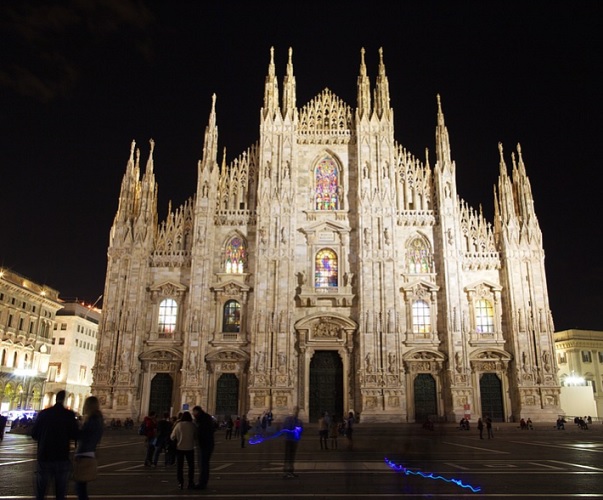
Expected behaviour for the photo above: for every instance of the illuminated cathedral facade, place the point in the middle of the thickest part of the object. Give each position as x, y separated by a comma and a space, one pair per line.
327, 267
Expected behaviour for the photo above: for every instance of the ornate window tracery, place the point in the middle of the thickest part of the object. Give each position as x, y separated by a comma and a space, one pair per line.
421, 317
327, 189
484, 316
168, 314
418, 256
236, 256
325, 269
231, 321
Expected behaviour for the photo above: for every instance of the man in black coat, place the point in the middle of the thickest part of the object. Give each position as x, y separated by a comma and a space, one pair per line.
205, 432
54, 429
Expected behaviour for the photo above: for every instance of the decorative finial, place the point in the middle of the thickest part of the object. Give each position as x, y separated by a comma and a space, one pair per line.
271, 55
152, 143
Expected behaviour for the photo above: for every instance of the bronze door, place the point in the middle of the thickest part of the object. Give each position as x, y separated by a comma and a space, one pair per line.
490, 388
161, 394
227, 396
425, 397
326, 385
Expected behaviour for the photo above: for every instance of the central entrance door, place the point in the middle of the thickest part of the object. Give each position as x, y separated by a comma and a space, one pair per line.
227, 397
490, 388
425, 397
161, 394
326, 385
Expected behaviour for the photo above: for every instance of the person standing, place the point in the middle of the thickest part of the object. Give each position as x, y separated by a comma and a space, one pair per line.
244, 428
54, 429
323, 431
205, 437
333, 432
88, 438
480, 428
150, 432
489, 427
349, 429
3, 421
293, 429
185, 435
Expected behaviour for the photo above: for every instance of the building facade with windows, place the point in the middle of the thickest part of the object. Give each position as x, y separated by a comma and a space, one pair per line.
74, 342
27, 315
327, 267
580, 360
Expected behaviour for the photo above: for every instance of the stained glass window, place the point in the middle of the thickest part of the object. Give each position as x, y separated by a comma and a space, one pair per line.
325, 273
232, 317
484, 316
421, 317
168, 311
418, 257
236, 256
327, 185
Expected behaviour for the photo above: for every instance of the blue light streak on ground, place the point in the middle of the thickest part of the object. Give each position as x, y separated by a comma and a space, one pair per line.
258, 438
430, 475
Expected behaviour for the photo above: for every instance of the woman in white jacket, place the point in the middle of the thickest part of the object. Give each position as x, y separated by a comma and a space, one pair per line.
185, 435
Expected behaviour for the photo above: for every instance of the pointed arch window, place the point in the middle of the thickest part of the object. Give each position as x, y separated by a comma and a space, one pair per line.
484, 316
421, 317
418, 257
168, 313
236, 256
327, 189
325, 269
231, 321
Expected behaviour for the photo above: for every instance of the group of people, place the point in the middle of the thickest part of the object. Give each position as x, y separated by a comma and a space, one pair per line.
488, 425
526, 425
54, 429
178, 439
329, 429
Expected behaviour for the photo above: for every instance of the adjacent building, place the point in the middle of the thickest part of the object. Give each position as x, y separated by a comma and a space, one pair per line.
330, 268
580, 361
74, 343
27, 315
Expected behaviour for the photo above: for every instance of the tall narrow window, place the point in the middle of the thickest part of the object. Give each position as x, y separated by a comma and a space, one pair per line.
325, 272
418, 257
421, 317
484, 316
232, 317
168, 311
327, 185
236, 256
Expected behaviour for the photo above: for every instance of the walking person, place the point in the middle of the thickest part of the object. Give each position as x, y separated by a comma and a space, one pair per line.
164, 429
480, 428
205, 440
185, 435
293, 429
88, 438
489, 427
54, 429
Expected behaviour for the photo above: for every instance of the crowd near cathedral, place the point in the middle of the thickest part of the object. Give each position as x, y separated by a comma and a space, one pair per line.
330, 268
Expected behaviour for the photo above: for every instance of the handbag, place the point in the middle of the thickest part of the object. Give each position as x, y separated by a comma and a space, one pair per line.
85, 469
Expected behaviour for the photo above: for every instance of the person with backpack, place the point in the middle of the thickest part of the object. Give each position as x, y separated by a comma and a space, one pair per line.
150, 431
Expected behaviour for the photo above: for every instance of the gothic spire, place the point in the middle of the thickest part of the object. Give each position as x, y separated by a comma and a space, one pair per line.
271, 89
364, 89
289, 96
210, 142
382, 90
443, 156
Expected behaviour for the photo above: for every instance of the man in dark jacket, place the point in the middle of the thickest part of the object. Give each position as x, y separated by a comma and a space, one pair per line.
205, 432
54, 429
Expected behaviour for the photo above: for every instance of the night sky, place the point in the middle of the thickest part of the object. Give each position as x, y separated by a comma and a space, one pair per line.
79, 80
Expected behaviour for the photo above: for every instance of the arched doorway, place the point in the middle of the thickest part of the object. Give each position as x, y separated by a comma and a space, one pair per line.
227, 395
161, 393
326, 385
425, 397
490, 388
